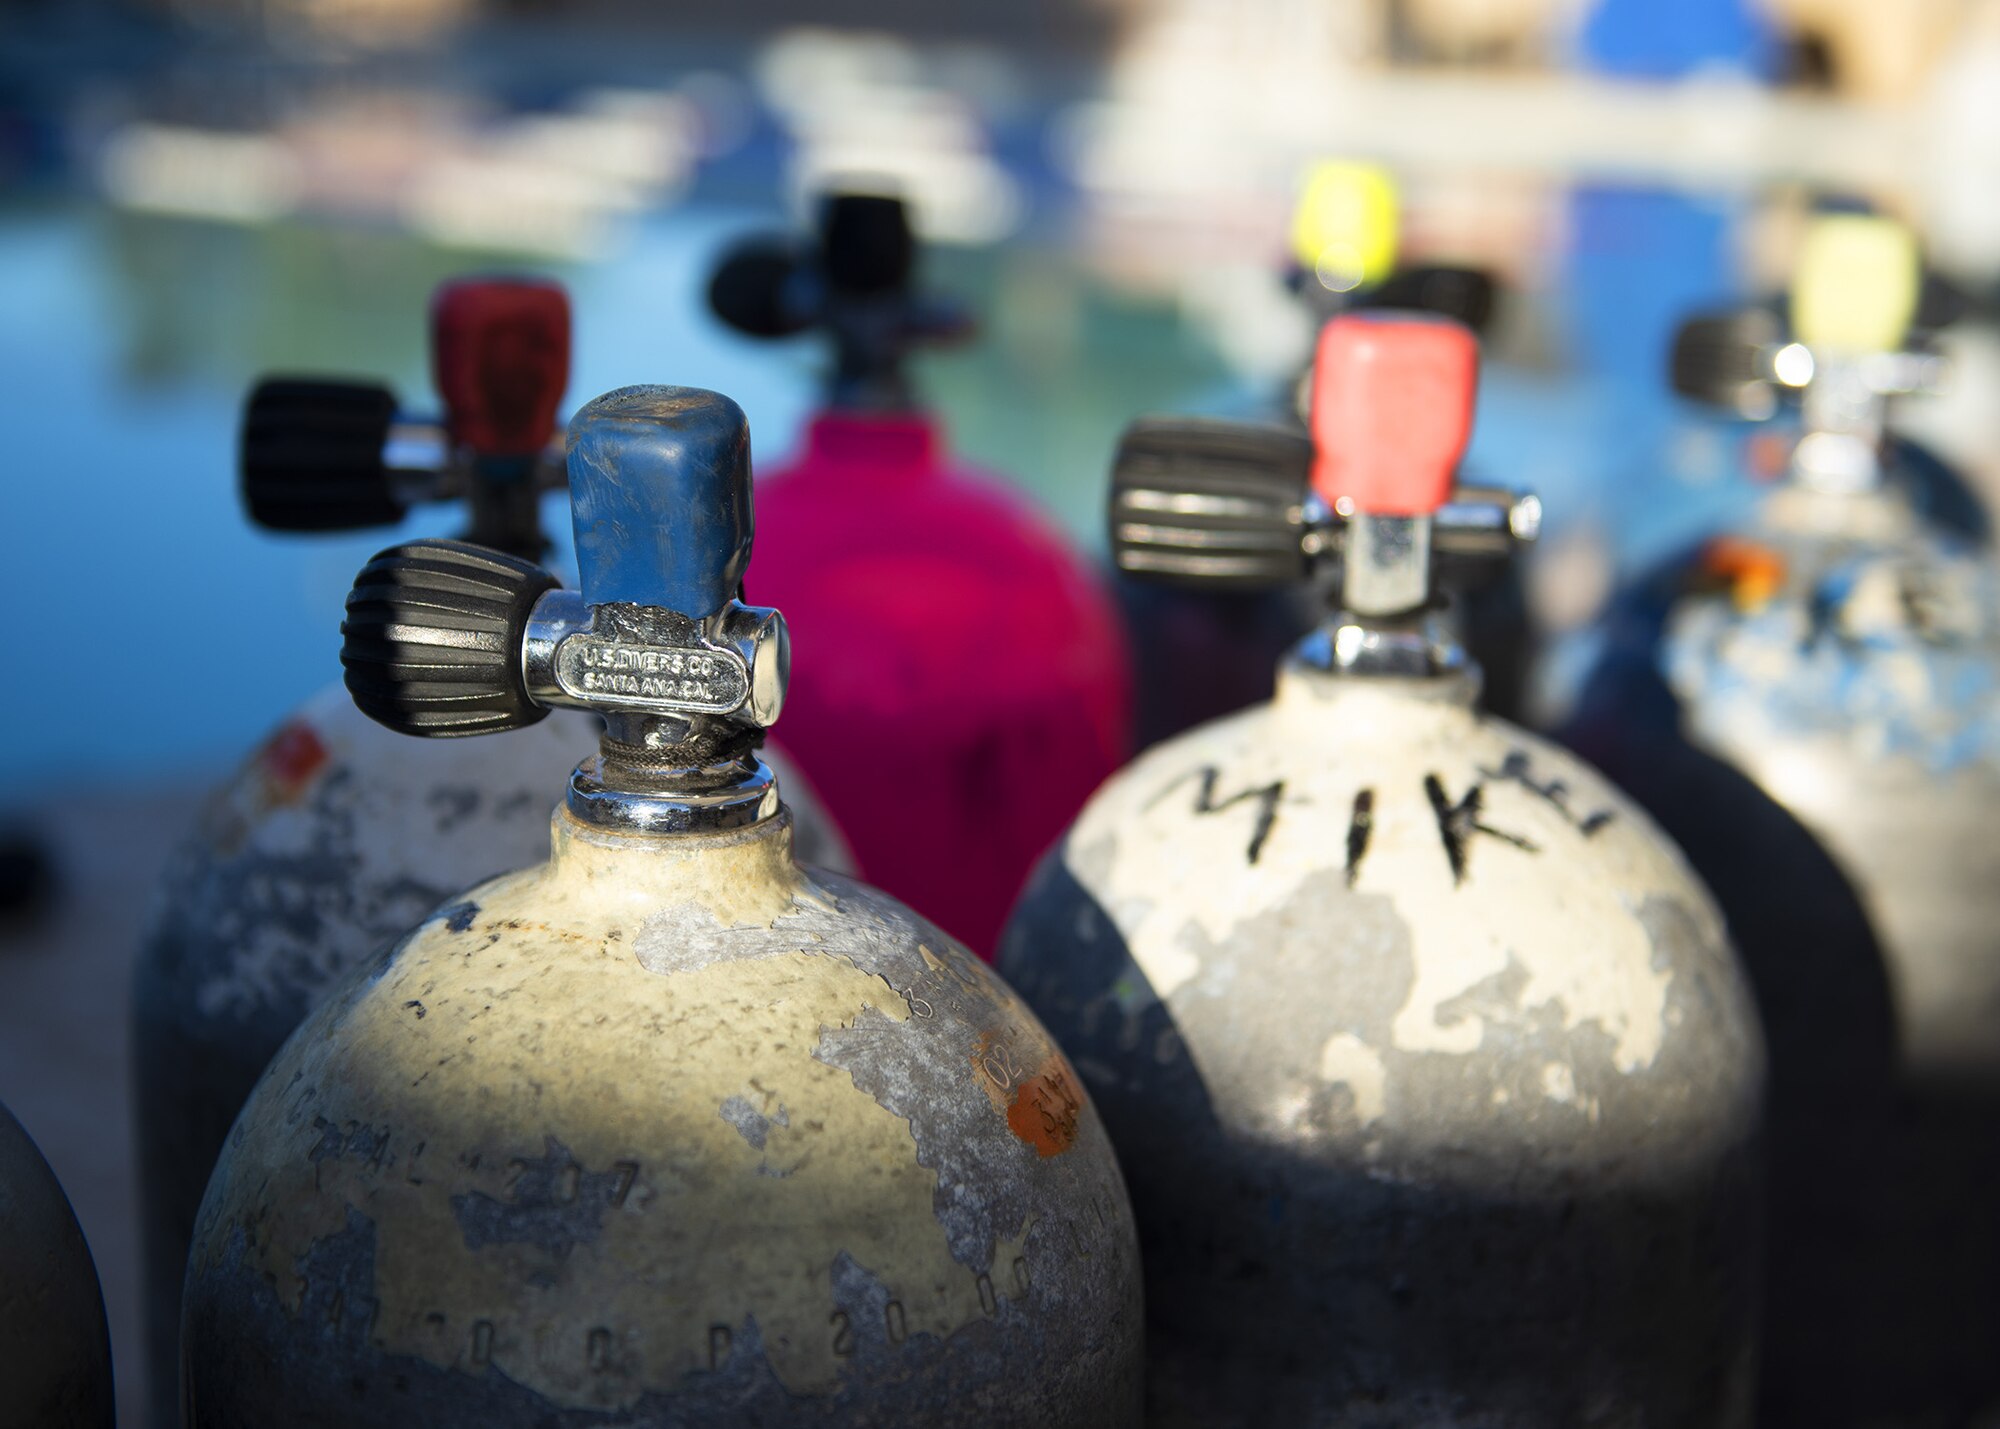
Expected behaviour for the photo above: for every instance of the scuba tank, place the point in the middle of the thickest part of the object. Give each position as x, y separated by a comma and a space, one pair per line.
667, 1129
1840, 354
335, 835
1811, 706
1344, 239
55, 1349
1431, 1069
1004, 692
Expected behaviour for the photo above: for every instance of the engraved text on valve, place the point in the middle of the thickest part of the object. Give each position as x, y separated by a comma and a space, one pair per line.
639, 659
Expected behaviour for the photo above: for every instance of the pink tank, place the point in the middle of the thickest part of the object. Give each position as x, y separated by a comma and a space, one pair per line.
962, 683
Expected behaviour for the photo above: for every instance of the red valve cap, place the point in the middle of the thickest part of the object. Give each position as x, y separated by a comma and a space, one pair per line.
1391, 410
500, 360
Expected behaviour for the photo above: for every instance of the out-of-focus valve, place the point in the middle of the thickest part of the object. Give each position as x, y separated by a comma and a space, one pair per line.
1844, 348
324, 455
855, 279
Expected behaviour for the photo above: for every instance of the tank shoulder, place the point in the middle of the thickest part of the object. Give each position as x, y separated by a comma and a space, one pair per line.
1494, 913
795, 1051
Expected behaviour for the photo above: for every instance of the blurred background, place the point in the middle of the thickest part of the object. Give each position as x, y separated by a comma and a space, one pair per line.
195, 192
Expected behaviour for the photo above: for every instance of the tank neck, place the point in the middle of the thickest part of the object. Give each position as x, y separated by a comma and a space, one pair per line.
1400, 705
874, 446
628, 788
1845, 419
744, 875
1419, 645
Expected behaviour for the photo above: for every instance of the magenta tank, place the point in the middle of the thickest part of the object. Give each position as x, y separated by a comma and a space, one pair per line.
947, 631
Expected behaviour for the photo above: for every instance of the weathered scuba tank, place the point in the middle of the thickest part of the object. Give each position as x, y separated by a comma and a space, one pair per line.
1811, 707
1432, 1072
1005, 691
1844, 348
667, 1129
1344, 241
55, 1350
335, 836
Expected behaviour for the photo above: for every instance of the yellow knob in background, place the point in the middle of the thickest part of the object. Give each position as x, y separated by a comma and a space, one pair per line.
1344, 229
1855, 289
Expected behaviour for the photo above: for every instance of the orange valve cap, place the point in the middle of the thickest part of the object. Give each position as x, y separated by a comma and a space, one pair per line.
500, 361
1392, 406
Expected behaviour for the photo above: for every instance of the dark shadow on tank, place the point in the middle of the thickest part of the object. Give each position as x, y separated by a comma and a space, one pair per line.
1882, 1294
1198, 655
1283, 1289
1937, 492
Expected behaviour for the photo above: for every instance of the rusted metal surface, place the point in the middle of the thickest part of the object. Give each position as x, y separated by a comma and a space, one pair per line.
668, 1131
329, 844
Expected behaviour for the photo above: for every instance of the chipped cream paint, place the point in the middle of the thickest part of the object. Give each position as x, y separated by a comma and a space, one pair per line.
1566, 916
1348, 1061
523, 1006
299, 885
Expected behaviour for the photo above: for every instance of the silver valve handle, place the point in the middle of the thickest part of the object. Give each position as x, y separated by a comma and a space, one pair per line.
1229, 505
1746, 361
443, 638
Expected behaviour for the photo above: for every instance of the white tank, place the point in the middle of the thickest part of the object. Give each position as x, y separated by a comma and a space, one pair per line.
1434, 1076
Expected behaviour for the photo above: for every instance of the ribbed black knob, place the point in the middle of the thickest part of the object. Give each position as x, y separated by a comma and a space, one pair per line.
1719, 358
312, 455
432, 639
1203, 502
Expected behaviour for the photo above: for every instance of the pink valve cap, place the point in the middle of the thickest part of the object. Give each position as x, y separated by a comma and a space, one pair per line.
1392, 401
500, 361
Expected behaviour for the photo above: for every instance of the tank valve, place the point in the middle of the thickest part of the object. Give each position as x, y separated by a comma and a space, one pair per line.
1366, 502
442, 638
855, 279
1845, 346
322, 455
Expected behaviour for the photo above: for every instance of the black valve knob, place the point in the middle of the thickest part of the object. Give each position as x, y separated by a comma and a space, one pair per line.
1465, 295
866, 244
1722, 359
432, 639
312, 455
756, 288
1198, 501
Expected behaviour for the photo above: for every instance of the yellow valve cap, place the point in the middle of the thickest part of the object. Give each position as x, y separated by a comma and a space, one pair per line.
1344, 229
1856, 285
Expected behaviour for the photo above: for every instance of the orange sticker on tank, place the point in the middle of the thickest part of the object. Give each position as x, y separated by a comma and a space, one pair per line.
291, 758
1046, 1108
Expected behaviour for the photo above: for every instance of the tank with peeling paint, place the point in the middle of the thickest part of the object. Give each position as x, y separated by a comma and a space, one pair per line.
1432, 1070
1842, 351
1811, 706
668, 1129
55, 1350
335, 835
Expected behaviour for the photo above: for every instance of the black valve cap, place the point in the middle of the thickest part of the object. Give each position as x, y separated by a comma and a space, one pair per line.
1197, 501
1718, 358
1465, 295
866, 245
432, 639
312, 455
